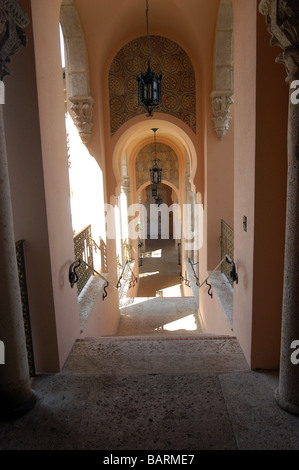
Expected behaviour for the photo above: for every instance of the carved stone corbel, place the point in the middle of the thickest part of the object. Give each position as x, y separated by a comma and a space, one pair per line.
282, 18
12, 21
83, 108
221, 103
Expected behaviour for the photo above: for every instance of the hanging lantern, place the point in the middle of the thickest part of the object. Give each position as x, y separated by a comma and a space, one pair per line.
158, 201
155, 171
149, 83
154, 191
156, 174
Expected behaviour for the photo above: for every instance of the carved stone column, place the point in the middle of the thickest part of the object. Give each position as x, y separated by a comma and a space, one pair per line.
221, 103
283, 23
83, 107
16, 396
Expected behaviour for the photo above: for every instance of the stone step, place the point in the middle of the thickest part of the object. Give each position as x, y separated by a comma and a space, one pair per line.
151, 356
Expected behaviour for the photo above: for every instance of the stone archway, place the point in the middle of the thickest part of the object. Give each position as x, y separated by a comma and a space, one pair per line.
77, 69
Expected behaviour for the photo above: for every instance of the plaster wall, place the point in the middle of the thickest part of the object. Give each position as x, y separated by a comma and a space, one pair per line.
45, 19
220, 188
260, 175
270, 201
245, 12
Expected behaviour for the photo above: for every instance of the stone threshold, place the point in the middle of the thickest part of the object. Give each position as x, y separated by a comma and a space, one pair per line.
157, 338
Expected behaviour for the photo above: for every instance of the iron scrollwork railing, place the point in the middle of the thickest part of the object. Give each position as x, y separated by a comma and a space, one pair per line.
187, 282
25, 305
133, 280
74, 276
232, 273
185, 279
140, 257
83, 248
227, 249
118, 285
103, 250
194, 273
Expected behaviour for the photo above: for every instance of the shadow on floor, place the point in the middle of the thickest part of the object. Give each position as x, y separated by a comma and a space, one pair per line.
159, 317
159, 275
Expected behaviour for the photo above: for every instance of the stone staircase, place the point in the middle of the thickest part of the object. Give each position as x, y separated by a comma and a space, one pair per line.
157, 336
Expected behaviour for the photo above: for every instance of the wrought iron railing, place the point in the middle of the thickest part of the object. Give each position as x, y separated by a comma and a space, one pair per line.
83, 249
233, 276
82, 268
25, 305
140, 255
227, 248
103, 250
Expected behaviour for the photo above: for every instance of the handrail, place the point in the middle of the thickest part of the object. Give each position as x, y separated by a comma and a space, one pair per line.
122, 273
73, 276
185, 280
194, 273
233, 274
95, 245
134, 279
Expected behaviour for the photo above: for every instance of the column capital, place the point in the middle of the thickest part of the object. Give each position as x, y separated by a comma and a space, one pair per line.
282, 18
13, 20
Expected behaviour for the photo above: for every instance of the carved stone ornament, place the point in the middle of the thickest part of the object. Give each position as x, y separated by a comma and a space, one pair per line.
282, 18
125, 187
221, 103
83, 107
12, 21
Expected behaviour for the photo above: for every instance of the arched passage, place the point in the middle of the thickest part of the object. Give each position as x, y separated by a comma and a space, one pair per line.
131, 138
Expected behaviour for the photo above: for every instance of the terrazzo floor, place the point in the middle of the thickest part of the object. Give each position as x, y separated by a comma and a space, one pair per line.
125, 396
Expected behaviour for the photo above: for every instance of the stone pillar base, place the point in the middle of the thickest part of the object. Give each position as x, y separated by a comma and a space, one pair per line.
10, 410
285, 405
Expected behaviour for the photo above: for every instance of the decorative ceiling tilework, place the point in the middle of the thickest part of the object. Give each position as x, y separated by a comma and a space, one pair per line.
178, 85
168, 162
